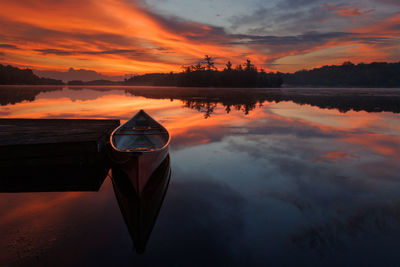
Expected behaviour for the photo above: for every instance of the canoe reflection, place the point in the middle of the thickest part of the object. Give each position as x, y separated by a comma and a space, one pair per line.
141, 211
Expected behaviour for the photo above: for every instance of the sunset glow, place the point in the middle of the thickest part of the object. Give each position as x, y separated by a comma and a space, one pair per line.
117, 37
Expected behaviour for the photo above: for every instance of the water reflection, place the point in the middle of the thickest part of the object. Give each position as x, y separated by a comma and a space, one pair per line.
205, 100
286, 184
140, 211
51, 178
16, 94
344, 100
66, 209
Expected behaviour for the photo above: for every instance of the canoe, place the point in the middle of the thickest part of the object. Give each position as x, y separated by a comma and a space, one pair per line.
138, 147
140, 212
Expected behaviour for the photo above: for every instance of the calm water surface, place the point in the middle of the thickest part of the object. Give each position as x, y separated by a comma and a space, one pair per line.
267, 183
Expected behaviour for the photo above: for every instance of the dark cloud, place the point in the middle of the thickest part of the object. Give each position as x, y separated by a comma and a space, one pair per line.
68, 52
10, 46
282, 21
191, 30
55, 52
143, 54
297, 44
296, 3
389, 2
303, 41
394, 27
307, 38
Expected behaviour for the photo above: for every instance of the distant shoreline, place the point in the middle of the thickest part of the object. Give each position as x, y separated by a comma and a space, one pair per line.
283, 87
155, 87
347, 75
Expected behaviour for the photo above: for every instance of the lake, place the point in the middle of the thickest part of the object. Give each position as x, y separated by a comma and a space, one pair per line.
276, 177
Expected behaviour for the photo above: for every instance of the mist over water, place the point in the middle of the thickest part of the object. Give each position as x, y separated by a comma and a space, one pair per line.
277, 177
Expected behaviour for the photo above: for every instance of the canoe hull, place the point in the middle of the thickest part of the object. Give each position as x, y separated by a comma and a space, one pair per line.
139, 166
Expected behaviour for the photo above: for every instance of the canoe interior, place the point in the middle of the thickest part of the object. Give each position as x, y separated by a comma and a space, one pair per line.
140, 134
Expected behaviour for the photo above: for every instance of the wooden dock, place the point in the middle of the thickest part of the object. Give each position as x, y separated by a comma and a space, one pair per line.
55, 131
50, 154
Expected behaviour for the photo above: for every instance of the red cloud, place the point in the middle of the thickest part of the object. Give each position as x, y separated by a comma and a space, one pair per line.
347, 10
119, 36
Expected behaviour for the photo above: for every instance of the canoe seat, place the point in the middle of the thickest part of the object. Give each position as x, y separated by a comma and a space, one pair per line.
139, 133
141, 128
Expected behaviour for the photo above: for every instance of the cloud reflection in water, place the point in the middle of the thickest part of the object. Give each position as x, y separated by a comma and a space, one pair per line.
284, 183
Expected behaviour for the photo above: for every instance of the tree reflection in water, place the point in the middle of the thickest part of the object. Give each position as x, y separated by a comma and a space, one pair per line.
207, 99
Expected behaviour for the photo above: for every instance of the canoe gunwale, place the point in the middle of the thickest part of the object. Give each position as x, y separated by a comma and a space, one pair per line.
136, 151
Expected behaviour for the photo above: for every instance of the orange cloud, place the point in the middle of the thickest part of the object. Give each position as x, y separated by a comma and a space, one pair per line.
385, 28
100, 35
119, 36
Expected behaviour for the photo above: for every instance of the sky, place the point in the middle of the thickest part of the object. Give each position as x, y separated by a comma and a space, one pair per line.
118, 37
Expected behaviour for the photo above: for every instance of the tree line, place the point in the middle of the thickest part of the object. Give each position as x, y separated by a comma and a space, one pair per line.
13, 75
376, 74
205, 74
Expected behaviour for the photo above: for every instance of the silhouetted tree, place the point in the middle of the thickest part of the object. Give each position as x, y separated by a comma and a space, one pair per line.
228, 66
209, 63
248, 66
197, 67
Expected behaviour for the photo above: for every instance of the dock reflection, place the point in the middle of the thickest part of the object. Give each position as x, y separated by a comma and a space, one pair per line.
140, 212
24, 178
